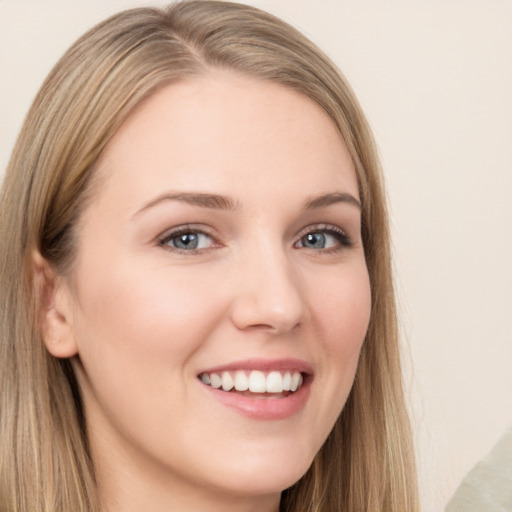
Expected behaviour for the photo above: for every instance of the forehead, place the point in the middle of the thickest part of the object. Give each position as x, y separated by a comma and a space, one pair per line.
227, 133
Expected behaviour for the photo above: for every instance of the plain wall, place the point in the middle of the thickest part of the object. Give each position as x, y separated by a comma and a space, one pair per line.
434, 79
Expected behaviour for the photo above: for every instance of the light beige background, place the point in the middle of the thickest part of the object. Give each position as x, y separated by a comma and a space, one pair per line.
434, 79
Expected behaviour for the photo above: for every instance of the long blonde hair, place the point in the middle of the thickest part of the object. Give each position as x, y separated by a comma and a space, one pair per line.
367, 462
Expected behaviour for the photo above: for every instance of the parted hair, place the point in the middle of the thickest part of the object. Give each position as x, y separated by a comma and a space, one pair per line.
367, 462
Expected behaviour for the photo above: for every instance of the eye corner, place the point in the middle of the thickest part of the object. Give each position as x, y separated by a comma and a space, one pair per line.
188, 240
324, 238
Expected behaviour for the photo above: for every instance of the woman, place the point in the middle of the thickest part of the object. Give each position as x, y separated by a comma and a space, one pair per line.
197, 304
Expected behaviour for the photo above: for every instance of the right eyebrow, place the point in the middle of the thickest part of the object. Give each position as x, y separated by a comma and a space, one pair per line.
212, 201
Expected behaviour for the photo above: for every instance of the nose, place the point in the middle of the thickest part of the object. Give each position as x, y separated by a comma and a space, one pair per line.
269, 294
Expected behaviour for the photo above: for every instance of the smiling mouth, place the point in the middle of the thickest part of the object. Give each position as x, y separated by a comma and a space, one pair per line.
255, 383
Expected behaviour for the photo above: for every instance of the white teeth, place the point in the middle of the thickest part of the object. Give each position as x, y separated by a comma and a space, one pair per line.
227, 381
287, 381
255, 381
215, 381
241, 381
274, 383
296, 381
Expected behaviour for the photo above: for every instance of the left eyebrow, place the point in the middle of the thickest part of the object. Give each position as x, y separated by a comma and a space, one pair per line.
332, 198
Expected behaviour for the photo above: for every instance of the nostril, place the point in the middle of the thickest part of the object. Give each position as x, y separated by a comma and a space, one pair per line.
250, 315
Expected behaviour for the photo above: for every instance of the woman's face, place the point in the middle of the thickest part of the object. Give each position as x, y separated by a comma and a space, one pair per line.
222, 248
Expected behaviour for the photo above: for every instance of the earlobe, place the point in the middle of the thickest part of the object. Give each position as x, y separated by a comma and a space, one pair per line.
54, 311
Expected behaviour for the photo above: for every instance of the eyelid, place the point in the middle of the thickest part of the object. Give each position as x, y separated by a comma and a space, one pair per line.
183, 230
340, 234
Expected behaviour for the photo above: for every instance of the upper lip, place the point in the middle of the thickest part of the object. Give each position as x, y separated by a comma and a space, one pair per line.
264, 365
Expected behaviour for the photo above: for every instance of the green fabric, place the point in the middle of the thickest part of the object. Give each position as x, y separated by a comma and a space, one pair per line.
488, 486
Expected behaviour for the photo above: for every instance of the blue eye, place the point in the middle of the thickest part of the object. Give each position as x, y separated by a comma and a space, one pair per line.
314, 240
187, 240
332, 238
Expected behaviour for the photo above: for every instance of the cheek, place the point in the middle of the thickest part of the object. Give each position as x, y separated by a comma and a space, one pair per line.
148, 313
137, 331
343, 313
343, 307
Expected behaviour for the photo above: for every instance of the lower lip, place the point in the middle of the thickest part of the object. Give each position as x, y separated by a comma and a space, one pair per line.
264, 408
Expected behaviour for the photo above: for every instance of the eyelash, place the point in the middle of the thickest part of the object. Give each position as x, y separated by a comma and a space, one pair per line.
341, 237
180, 231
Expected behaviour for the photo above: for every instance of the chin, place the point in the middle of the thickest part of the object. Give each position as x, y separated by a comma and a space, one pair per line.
266, 475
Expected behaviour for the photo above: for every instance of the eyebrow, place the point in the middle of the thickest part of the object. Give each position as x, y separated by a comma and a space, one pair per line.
220, 202
332, 198
213, 201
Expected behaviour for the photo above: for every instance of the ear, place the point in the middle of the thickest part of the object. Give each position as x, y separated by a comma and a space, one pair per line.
54, 303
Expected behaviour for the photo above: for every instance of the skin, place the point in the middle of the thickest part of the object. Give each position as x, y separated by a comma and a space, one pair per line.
141, 318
